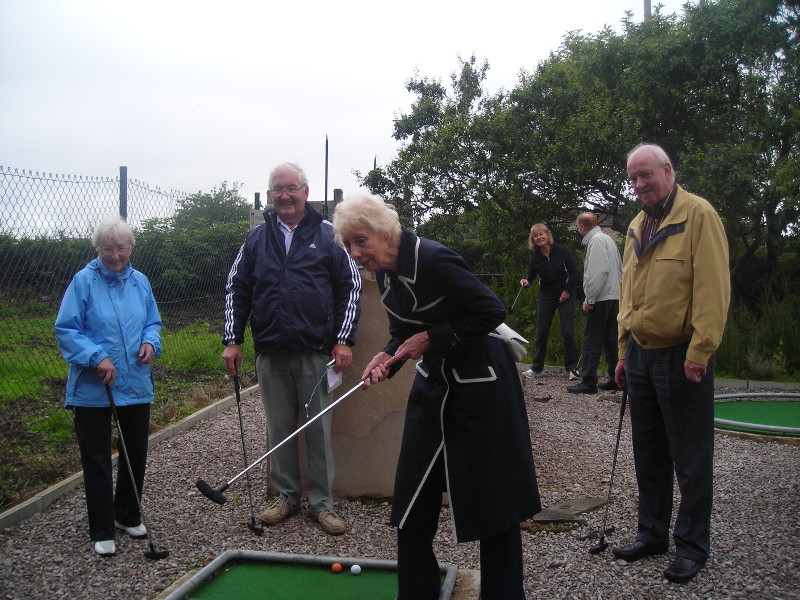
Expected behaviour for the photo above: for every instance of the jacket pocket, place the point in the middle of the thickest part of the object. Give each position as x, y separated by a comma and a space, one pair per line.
477, 374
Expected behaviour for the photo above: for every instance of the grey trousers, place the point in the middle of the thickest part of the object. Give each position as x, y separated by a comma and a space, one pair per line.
287, 380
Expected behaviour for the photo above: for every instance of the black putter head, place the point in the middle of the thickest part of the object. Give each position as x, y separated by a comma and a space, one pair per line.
599, 547
154, 554
213, 494
255, 527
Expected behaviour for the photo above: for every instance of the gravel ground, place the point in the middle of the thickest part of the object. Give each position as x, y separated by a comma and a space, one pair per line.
755, 526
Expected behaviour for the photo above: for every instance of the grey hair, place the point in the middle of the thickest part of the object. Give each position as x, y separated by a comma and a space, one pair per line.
660, 154
112, 229
291, 168
365, 211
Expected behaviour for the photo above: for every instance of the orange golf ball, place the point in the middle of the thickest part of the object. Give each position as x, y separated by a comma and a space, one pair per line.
336, 567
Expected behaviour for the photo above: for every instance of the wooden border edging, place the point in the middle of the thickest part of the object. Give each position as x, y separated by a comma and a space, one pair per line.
38, 504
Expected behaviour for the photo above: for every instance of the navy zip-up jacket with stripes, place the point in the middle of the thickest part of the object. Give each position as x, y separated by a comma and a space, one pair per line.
307, 299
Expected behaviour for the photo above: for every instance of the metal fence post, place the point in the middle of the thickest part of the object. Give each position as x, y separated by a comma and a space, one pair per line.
123, 193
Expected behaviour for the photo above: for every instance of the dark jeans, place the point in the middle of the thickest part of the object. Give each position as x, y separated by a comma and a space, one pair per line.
544, 319
93, 431
600, 333
672, 424
418, 575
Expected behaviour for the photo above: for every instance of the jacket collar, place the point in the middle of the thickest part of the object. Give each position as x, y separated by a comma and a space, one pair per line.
674, 222
109, 275
590, 234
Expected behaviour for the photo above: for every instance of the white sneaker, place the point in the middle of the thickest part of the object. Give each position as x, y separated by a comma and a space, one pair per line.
105, 548
135, 532
530, 374
574, 374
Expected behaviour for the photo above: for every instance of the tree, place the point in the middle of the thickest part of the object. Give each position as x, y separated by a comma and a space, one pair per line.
193, 249
717, 88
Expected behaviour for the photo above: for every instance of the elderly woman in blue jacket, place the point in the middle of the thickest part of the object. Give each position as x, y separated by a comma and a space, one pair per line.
109, 330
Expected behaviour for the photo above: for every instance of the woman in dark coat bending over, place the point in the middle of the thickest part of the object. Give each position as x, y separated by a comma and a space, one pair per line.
466, 428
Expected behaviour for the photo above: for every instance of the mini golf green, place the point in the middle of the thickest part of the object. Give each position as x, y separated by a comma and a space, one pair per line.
251, 575
752, 413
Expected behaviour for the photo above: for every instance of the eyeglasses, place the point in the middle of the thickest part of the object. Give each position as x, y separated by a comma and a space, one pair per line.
108, 250
291, 190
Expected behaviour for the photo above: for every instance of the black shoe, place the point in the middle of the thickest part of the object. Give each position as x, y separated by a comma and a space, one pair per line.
582, 388
608, 386
683, 569
637, 550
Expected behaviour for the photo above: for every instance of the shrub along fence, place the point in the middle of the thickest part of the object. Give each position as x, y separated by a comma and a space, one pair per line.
46, 223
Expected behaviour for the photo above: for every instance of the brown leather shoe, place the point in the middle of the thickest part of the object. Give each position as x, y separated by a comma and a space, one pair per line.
330, 522
277, 511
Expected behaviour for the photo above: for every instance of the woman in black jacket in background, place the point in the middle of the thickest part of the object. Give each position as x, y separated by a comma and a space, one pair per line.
558, 277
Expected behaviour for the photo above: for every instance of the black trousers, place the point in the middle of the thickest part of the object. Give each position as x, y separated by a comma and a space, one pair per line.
93, 431
418, 574
672, 425
545, 311
599, 333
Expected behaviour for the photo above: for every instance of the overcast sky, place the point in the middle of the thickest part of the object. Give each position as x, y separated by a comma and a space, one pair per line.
188, 94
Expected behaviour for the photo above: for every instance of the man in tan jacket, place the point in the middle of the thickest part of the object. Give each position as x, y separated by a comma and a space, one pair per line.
673, 307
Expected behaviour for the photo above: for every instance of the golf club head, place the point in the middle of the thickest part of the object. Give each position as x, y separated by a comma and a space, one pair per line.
255, 527
154, 554
599, 547
213, 494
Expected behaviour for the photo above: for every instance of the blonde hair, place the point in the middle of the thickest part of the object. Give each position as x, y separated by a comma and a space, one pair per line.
536, 229
365, 211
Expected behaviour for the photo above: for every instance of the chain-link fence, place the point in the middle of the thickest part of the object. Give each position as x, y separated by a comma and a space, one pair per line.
46, 223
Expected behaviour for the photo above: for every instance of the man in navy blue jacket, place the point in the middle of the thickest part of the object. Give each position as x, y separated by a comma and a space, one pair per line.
301, 292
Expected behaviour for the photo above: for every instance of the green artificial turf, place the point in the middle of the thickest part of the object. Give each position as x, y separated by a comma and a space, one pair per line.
259, 580
782, 413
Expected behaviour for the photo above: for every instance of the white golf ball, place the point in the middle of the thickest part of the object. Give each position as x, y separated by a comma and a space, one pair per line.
355, 570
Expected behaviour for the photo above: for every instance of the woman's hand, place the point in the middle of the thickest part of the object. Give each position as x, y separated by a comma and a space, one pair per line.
107, 371
376, 370
414, 347
564, 297
524, 282
146, 353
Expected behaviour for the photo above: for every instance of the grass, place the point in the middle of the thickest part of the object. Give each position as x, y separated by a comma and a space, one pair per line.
38, 442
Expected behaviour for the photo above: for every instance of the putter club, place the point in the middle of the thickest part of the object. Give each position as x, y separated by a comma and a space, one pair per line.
514, 303
252, 525
603, 544
216, 495
152, 553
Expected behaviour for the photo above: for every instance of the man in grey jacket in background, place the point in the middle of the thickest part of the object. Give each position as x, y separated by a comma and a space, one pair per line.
602, 271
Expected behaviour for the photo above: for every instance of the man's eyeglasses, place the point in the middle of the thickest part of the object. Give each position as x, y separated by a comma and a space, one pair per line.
108, 250
291, 190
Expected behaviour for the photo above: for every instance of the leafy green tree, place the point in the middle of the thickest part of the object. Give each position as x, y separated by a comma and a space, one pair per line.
718, 88
194, 249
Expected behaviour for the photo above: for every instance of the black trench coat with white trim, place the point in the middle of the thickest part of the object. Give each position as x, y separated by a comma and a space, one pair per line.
466, 401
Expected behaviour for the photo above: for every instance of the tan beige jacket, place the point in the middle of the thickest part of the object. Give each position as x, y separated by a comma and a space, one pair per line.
678, 289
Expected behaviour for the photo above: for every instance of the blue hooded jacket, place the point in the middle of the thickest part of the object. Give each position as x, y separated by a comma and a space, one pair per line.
107, 314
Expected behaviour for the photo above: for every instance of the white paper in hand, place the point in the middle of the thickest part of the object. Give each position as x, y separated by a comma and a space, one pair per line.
334, 378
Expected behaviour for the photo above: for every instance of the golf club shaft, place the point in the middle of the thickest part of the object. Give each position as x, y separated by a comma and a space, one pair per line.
623, 402
130, 469
237, 389
513, 304
295, 433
